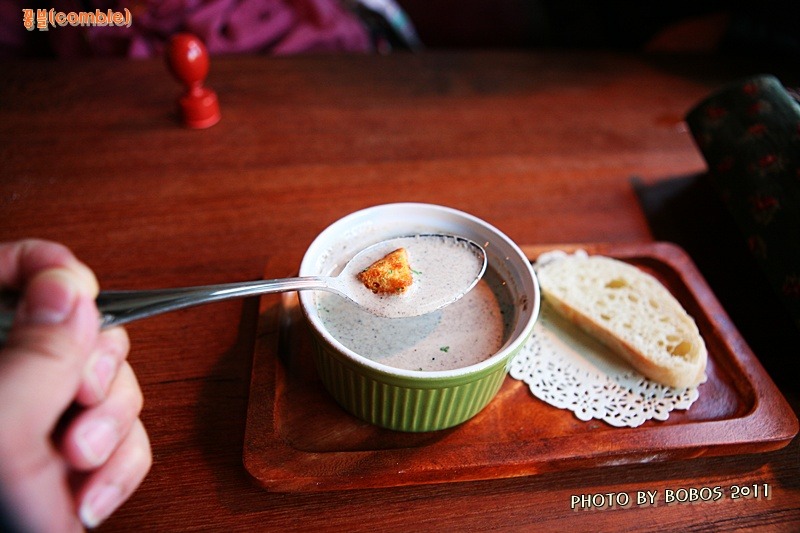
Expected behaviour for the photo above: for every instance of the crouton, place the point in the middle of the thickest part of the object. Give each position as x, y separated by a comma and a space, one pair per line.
389, 275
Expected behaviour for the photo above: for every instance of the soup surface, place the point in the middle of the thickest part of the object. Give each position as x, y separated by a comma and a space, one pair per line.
461, 334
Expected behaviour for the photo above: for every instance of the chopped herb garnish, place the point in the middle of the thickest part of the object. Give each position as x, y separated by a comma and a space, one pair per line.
445, 349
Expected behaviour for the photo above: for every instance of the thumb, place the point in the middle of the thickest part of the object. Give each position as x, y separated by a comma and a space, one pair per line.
48, 346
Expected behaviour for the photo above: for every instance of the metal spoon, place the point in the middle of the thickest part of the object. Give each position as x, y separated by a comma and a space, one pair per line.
121, 307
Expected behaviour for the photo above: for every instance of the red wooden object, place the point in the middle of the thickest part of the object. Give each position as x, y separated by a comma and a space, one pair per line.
187, 58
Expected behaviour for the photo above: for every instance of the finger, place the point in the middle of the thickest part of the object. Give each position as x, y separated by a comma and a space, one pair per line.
47, 350
21, 260
93, 435
113, 483
110, 351
39, 498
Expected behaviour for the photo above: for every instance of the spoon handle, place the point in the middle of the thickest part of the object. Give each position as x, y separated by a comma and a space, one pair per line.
121, 307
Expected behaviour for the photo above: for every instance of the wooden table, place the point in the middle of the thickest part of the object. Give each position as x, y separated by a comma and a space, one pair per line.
542, 145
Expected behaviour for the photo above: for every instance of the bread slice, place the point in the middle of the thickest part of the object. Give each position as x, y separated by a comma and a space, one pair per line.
631, 312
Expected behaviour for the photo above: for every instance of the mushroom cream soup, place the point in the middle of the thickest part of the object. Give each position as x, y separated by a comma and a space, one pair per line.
461, 334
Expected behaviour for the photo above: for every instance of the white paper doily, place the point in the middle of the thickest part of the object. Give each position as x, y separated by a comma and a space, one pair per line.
569, 369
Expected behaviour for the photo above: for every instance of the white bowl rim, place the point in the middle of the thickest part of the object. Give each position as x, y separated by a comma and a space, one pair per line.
307, 301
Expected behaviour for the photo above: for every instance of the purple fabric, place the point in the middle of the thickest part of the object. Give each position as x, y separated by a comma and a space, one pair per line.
225, 26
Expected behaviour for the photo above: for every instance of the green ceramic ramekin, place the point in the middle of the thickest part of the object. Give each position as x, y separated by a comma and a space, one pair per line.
412, 400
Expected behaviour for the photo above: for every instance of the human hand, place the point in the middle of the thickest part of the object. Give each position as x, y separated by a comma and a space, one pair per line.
72, 446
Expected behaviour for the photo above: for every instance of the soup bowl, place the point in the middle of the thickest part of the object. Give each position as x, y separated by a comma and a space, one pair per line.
417, 398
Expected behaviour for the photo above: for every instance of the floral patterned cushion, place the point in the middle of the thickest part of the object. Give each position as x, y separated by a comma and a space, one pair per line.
749, 134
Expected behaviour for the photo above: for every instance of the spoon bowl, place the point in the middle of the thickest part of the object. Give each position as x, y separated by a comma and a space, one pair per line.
444, 267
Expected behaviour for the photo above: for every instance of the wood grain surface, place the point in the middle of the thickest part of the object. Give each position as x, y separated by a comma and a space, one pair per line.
542, 145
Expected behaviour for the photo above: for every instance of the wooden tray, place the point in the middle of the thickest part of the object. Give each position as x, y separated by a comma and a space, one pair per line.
298, 439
